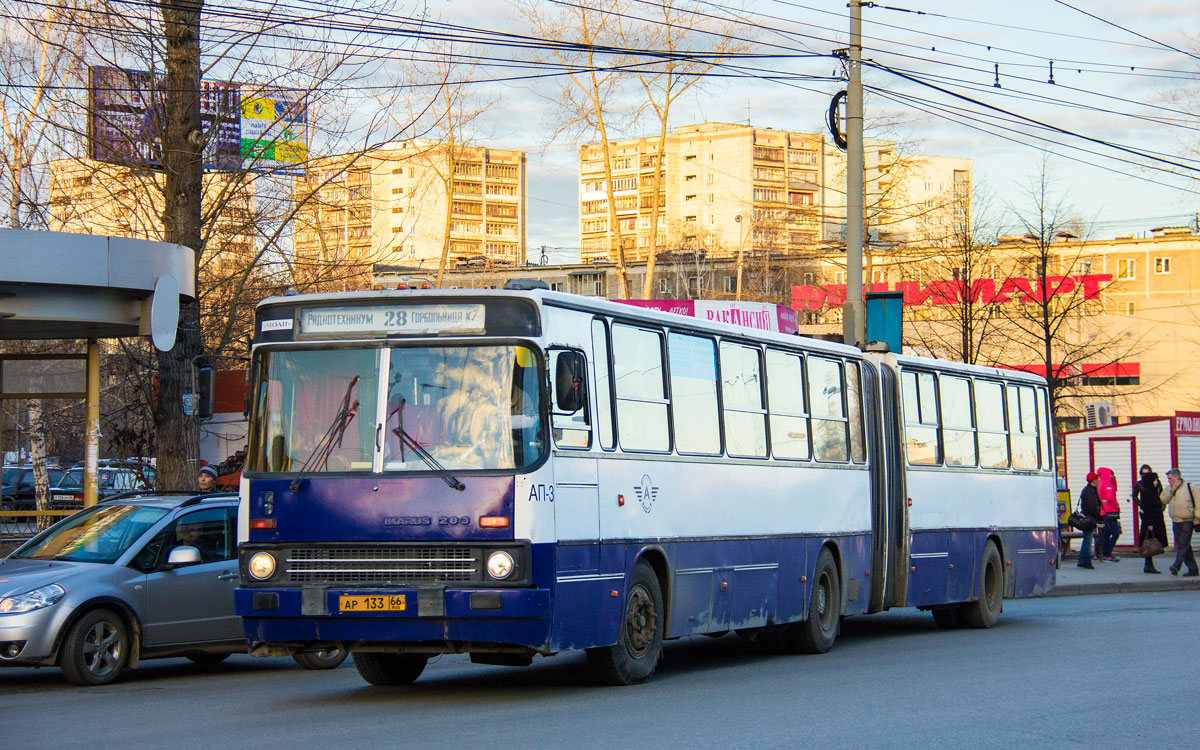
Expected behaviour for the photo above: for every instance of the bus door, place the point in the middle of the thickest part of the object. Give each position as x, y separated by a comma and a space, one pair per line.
576, 489
889, 585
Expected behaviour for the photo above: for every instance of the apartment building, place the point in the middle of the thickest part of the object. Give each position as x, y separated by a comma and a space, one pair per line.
93, 197
404, 205
726, 188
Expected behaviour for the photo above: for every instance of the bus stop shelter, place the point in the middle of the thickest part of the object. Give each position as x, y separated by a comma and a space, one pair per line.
56, 285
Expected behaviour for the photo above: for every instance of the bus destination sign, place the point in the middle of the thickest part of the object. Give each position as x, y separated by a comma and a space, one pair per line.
400, 319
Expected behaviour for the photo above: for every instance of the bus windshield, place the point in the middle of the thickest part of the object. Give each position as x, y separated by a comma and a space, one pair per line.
457, 408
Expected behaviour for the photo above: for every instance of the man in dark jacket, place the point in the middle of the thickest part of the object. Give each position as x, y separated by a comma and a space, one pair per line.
1089, 505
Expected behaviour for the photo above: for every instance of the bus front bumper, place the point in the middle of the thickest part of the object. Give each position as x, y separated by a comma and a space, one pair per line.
432, 619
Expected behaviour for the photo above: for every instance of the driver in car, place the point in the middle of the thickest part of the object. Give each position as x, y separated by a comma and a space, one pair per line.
192, 535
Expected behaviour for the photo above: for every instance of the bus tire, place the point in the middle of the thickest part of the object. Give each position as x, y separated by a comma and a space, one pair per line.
985, 611
949, 617
639, 646
389, 669
816, 634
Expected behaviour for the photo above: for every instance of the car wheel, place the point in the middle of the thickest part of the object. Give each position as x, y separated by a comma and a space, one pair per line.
95, 650
326, 659
208, 658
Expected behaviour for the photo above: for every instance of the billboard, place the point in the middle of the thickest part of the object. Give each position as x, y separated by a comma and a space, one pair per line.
764, 316
244, 127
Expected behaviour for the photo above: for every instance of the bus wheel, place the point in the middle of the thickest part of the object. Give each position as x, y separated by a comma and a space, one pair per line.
389, 669
949, 617
817, 634
985, 611
639, 647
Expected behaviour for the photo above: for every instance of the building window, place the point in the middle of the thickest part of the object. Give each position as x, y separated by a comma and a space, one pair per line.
1130, 308
1162, 265
398, 191
839, 277
398, 209
1127, 269
878, 277
730, 284
396, 230
808, 278
689, 198
690, 157
556, 286
689, 178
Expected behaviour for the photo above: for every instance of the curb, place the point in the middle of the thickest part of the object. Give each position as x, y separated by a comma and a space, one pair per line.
1130, 587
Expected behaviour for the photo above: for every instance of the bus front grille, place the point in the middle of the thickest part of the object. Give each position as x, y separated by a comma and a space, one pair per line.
383, 565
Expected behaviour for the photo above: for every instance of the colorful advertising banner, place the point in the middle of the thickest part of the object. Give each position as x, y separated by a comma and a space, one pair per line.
763, 316
265, 131
949, 292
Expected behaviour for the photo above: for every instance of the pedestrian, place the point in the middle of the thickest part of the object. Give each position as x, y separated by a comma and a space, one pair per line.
1089, 505
206, 479
1180, 499
1147, 495
1110, 513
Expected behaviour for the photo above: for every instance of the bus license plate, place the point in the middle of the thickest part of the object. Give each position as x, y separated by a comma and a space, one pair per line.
371, 603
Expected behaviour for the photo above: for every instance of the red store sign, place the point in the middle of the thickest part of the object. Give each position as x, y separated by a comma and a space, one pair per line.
1187, 423
982, 291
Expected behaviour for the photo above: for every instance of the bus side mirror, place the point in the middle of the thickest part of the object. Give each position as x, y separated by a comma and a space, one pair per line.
569, 382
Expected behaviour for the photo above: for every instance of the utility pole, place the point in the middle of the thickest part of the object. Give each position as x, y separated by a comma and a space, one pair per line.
854, 312
183, 186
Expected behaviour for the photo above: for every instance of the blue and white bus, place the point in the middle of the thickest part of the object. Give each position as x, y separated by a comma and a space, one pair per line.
510, 473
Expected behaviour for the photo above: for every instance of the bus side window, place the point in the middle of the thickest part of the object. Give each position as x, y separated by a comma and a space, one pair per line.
568, 430
958, 422
741, 391
1044, 431
604, 415
693, 362
920, 417
785, 399
989, 418
640, 393
828, 411
1022, 424
854, 406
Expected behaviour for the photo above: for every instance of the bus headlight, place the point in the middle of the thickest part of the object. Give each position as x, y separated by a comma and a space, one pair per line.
500, 565
261, 566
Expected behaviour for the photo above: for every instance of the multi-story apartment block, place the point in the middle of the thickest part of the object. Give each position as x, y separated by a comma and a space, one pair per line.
721, 188
411, 203
92, 197
726, 188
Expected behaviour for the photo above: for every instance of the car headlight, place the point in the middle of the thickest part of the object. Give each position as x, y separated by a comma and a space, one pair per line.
31, 600
261, 566
500, 565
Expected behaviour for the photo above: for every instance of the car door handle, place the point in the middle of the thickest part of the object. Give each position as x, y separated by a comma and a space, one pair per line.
227, 576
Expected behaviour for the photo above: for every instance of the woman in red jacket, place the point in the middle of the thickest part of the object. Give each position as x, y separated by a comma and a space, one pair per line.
1110, 512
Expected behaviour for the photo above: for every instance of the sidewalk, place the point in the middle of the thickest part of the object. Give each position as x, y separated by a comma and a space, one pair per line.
1120, 577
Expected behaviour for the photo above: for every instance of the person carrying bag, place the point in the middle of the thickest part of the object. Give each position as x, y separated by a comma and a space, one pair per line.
1089, 508
1180, 499
1147, 496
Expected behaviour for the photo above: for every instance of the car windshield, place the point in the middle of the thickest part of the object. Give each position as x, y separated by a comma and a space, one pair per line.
460, 408
99, 534
74, 478
12, 474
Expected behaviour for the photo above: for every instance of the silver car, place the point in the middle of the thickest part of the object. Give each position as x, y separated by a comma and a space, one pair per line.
126, 580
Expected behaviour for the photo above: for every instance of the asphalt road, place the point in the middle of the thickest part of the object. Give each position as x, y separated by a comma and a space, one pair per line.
892, 680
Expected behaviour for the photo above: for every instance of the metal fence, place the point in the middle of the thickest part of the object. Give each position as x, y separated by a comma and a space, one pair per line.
18, 525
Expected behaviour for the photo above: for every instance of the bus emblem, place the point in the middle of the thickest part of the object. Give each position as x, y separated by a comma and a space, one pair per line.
647, 493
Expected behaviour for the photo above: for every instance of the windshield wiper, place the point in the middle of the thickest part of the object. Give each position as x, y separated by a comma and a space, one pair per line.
331, 439
411, 443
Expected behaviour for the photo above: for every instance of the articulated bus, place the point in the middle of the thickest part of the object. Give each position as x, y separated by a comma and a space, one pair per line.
516, 472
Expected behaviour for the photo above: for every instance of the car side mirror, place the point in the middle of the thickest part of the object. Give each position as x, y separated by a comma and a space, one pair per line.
569, 382
183, 555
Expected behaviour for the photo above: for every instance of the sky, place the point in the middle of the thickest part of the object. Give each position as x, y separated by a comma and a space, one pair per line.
1115, 85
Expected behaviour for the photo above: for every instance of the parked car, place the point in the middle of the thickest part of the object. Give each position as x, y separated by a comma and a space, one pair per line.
126, 580
111, 479
17, 491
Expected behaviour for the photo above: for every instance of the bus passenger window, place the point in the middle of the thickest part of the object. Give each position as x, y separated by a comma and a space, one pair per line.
1022, 416
920, 417
828, 413
785, 399
694, 394
741, 389
989, 418
568, 430
958, 424
604, 423
854, 405
641, 400
1044, 430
